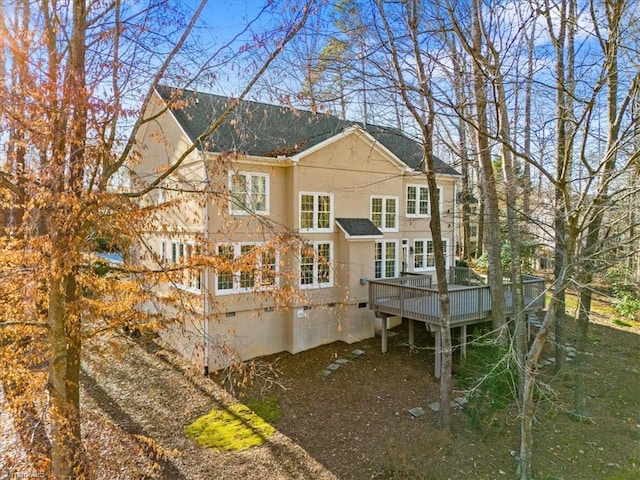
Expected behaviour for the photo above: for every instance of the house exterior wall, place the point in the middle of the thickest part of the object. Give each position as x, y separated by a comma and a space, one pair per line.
352, 169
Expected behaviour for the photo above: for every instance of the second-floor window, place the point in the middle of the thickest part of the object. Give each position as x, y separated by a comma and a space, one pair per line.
384, 213
249, 193
246, 267
316, 212
316, 265
418, 200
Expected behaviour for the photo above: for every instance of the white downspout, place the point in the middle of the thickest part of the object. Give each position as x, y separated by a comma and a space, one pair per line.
206, 305
454, 211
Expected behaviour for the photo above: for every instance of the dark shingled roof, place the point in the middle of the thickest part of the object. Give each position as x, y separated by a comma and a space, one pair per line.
358, 227
267, 130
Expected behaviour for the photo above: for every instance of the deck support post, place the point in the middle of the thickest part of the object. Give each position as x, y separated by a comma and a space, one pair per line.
463, 343
411, 333
438, 353
383, 334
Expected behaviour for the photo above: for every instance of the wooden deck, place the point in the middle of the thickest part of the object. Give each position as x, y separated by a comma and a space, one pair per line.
414, 297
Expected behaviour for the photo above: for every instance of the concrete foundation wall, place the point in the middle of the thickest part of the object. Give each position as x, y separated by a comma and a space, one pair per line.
252, 334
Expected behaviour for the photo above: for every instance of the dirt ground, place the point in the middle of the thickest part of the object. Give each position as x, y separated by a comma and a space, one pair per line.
354, 423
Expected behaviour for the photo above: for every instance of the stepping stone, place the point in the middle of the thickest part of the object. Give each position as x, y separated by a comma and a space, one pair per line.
333, 367
435, 406
358, 352
325, 373
341, 361
462, 401
416, 412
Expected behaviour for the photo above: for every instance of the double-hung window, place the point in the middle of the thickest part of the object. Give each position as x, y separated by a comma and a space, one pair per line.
384, 213
190, 277
386, 259
316, 265
249, 193
316, 212
424, 257
418, 200
245, 267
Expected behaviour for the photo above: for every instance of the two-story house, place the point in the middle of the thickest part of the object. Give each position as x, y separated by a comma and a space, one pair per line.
354, 194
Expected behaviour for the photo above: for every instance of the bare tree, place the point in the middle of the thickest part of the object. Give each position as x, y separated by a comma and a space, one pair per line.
472, 39
603, 178
407, 24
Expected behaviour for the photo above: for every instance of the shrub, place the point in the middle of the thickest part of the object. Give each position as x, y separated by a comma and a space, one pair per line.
491, 377
628, 306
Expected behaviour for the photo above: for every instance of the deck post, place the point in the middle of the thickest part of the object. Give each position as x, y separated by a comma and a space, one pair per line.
383, 334
463, 343
411, 332
438, 353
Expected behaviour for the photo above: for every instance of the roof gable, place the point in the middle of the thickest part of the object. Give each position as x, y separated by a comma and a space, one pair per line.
264, 130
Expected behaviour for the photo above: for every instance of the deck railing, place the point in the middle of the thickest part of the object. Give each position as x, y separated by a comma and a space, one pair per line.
415, 297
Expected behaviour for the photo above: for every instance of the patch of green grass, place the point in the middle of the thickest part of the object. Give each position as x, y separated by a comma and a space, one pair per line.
624, 476
267, 408
232, 429
621, 323
628, 470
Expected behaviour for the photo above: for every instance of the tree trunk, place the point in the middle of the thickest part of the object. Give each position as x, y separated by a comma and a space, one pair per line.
74, 351
591, 247
513, 222
63, 412
494, 240
481, 223
582, 343
466, 193
524, 470
564, 154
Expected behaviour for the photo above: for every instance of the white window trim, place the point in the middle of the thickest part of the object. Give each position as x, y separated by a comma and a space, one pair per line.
418, 214
315, 228
237, 288
315, 283
382, 228
426, 267
178, 249
249, 176
384, 259
163, 252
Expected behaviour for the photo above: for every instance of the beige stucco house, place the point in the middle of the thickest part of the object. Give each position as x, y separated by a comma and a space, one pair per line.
355, 195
